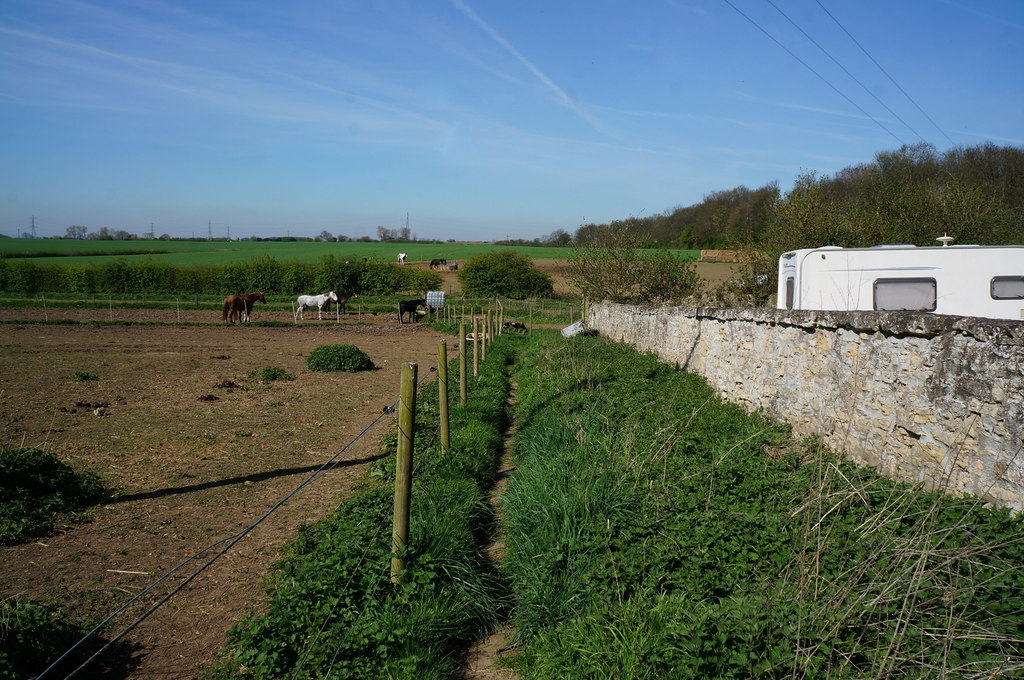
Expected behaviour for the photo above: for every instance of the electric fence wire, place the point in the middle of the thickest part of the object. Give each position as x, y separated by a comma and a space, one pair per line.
845, 70
809, 68
232, 540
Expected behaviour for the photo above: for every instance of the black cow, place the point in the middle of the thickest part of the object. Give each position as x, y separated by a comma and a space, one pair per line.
409, 306
440, 262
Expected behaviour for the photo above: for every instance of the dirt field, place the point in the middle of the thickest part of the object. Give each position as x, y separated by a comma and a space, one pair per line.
195, 449
187, 469
711, 272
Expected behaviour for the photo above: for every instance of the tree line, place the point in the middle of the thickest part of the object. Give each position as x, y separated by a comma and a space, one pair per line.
262, 272
911, 195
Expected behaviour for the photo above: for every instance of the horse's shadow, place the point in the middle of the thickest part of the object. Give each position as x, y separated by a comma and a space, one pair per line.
255, 477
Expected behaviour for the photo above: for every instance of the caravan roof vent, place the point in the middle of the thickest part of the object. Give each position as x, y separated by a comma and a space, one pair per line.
945, 239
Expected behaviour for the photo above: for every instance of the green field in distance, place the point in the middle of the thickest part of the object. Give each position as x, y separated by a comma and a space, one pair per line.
212, 253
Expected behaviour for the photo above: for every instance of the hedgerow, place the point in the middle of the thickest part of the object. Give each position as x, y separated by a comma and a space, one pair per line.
656, 532
263, 272
333, 611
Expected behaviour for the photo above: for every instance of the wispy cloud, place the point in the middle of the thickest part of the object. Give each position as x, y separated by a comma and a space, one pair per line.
976, 12
268, 93
560, 95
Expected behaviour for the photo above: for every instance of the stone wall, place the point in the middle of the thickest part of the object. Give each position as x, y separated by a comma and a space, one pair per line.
923, 398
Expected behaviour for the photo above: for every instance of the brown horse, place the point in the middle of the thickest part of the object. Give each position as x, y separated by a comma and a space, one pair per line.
343, 299
238, 307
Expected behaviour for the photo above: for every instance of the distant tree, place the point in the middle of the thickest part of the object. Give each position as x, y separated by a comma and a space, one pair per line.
503, 273
559, 238
76, 231
325, 236
343, 239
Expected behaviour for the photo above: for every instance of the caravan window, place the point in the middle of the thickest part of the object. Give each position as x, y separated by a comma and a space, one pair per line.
1008, 288
905, 294
790, 286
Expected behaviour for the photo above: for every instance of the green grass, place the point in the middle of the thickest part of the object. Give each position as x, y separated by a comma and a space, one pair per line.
207, 253
212, 253
656, 532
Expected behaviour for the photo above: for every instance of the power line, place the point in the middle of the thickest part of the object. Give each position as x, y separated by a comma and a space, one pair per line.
891, 79
808, 67
847, 72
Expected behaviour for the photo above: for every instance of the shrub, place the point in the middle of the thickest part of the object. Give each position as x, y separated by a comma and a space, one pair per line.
31, 635
616, 267
503, 273
36, 490
272, 373
339, 358
85, 376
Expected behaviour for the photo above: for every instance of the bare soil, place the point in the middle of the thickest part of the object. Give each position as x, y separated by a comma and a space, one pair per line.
712, 273
196, 449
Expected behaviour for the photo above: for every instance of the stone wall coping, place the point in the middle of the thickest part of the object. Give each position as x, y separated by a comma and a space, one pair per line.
896, 324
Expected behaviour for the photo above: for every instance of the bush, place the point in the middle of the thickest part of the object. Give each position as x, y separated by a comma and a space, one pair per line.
31, 636
339, 358
272, 373
36, 490
616, 267
503, 273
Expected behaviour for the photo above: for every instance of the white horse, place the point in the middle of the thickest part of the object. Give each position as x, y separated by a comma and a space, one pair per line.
401, 258
321, 302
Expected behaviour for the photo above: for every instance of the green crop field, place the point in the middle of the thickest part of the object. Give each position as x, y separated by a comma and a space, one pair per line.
213, 253
201, 253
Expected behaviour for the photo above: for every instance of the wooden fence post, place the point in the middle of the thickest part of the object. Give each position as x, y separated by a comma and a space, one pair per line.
487, 335
403, 468
463, 386
476, 348
442, 394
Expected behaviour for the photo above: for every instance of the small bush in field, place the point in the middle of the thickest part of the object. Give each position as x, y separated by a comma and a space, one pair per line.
37, 490
272, 373
339, 358
85, 376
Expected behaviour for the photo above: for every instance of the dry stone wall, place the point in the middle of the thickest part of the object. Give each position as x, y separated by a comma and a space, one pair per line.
923, 398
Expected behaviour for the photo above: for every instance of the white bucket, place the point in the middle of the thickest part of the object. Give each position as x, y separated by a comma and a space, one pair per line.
574, 329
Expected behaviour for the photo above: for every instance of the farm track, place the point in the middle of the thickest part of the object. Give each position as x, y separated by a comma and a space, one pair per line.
186, 472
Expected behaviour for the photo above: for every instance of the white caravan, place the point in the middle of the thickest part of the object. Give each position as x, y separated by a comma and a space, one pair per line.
985, 281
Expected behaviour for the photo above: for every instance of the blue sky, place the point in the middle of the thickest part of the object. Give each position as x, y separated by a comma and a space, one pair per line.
477, 119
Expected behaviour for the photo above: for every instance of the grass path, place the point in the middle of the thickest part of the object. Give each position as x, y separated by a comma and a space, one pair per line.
484, 658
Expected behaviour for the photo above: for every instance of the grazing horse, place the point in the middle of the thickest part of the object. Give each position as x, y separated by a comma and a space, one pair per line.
321, 302
409, 306
438, 263
238, 307
343, 299
401, 258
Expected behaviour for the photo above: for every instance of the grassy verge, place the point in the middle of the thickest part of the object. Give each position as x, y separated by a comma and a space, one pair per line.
655, 532
333, 610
